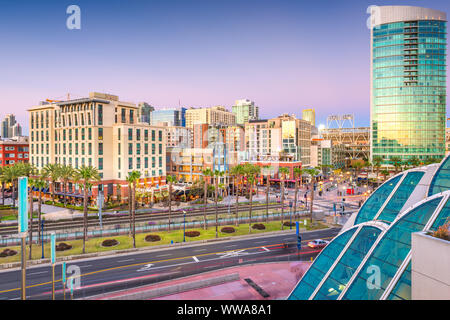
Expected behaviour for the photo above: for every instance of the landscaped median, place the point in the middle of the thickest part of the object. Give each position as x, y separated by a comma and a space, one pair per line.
125, 242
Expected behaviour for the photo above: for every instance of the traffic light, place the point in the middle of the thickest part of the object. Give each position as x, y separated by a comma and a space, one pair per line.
299, 242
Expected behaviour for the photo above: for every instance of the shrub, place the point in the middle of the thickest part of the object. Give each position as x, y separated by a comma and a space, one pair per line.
152, 238
289, 224
192, 234
7, 253
442, 232
227, 230
63, 247
110, 243
258, 226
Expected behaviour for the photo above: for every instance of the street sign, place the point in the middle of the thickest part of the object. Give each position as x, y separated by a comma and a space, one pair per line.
52, 248
23, 204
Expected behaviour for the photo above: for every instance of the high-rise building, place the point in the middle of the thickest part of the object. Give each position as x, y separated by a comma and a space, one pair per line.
169, 117
14, 150
284, 138
309, 115
408, 83
245, 110
145, 112
217, 115
10, 127
102, 132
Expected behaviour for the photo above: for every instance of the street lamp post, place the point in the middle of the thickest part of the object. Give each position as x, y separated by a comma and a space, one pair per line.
42, 238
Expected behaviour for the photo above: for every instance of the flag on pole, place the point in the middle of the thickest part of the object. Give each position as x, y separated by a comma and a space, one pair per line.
53, 245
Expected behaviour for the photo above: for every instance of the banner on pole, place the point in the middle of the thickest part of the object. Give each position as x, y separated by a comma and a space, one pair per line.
23, 204
53, 245
64, 273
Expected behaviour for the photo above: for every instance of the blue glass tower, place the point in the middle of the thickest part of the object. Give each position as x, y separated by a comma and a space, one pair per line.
408, 83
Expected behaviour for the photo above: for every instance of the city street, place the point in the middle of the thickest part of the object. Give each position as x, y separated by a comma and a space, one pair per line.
123, 271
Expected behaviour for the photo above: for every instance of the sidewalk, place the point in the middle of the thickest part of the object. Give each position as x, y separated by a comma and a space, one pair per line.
277, 279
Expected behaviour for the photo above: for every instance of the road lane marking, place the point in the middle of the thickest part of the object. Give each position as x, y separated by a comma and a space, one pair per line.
265, 248
199, 250
195, 259
139, 264
30, 274
88, 265
125, 260
163, 255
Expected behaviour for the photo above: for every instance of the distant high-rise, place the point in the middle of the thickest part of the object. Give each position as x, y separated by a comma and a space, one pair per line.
408, 83
245, 110
309, 115
169, 116
10, 127
217, 115
145, 112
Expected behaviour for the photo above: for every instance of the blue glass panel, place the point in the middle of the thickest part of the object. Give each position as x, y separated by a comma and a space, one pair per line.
389, 254
442, 218
320, 266
402, 290
347, 265
402, 194
441, 179
376, 200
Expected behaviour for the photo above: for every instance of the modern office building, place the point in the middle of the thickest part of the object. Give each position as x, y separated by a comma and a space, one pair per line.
284, 138
245, 110
371, 258
10, 128
180, 137
408, 83
14, 150
309, 115
145, 112
169, 117
98, 131
217, 115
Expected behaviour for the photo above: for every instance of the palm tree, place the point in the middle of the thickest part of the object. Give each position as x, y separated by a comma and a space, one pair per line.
297, 174
283, 172
385, 173
133, 178
414, 161
53, 172
207, 173
251, 171
10, 174
129, 179
377, 164
217, 175
39, 183
170, 180
397, 163
3, 181
237, 172
85, 175
313, 172
267, 170
66, 174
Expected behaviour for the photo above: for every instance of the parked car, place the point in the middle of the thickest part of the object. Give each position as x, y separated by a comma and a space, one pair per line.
318, 243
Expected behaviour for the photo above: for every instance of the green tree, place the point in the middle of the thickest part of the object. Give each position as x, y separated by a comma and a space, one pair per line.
85, 175
414, 161
267, 170
283, 173
170, 180
52, 172
313, 173
237, 172
10, 175
397, 162
217, 175
207, 174
377, 160
297, 175
39, 183
251, 172
66, 174
134, 177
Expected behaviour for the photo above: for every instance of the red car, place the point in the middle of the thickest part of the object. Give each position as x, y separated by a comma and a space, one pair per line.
318, 243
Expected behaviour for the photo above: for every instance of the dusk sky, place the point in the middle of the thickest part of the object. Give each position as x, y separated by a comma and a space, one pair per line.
284, 55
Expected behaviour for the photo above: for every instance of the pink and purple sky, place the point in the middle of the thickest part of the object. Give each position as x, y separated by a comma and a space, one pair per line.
284, 55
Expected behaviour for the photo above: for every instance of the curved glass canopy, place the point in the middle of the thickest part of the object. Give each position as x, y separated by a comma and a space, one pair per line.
441, 179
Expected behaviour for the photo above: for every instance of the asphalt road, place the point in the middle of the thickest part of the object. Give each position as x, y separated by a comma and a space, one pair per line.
124, 271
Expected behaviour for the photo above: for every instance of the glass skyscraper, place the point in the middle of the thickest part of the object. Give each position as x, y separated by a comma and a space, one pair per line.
408, 83
171, 117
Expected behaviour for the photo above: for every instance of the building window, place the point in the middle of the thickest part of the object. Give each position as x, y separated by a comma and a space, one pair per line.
146, 148
118, 149
138, 148
146, 135
130, 148
130, 134
138, 163
118, 163
153, 148
160, 135
100, 134
100, 163
130, 163
123, 115
90, 133
160, 148
131, 116
89, 148
82, 134
153, 135
146, 162
100, 149
118, 133
100, 115
138, 134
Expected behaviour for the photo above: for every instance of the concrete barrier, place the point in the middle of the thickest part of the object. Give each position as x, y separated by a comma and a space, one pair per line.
174, 289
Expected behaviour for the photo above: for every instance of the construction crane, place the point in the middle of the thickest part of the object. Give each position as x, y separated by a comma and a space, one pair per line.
52, 100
